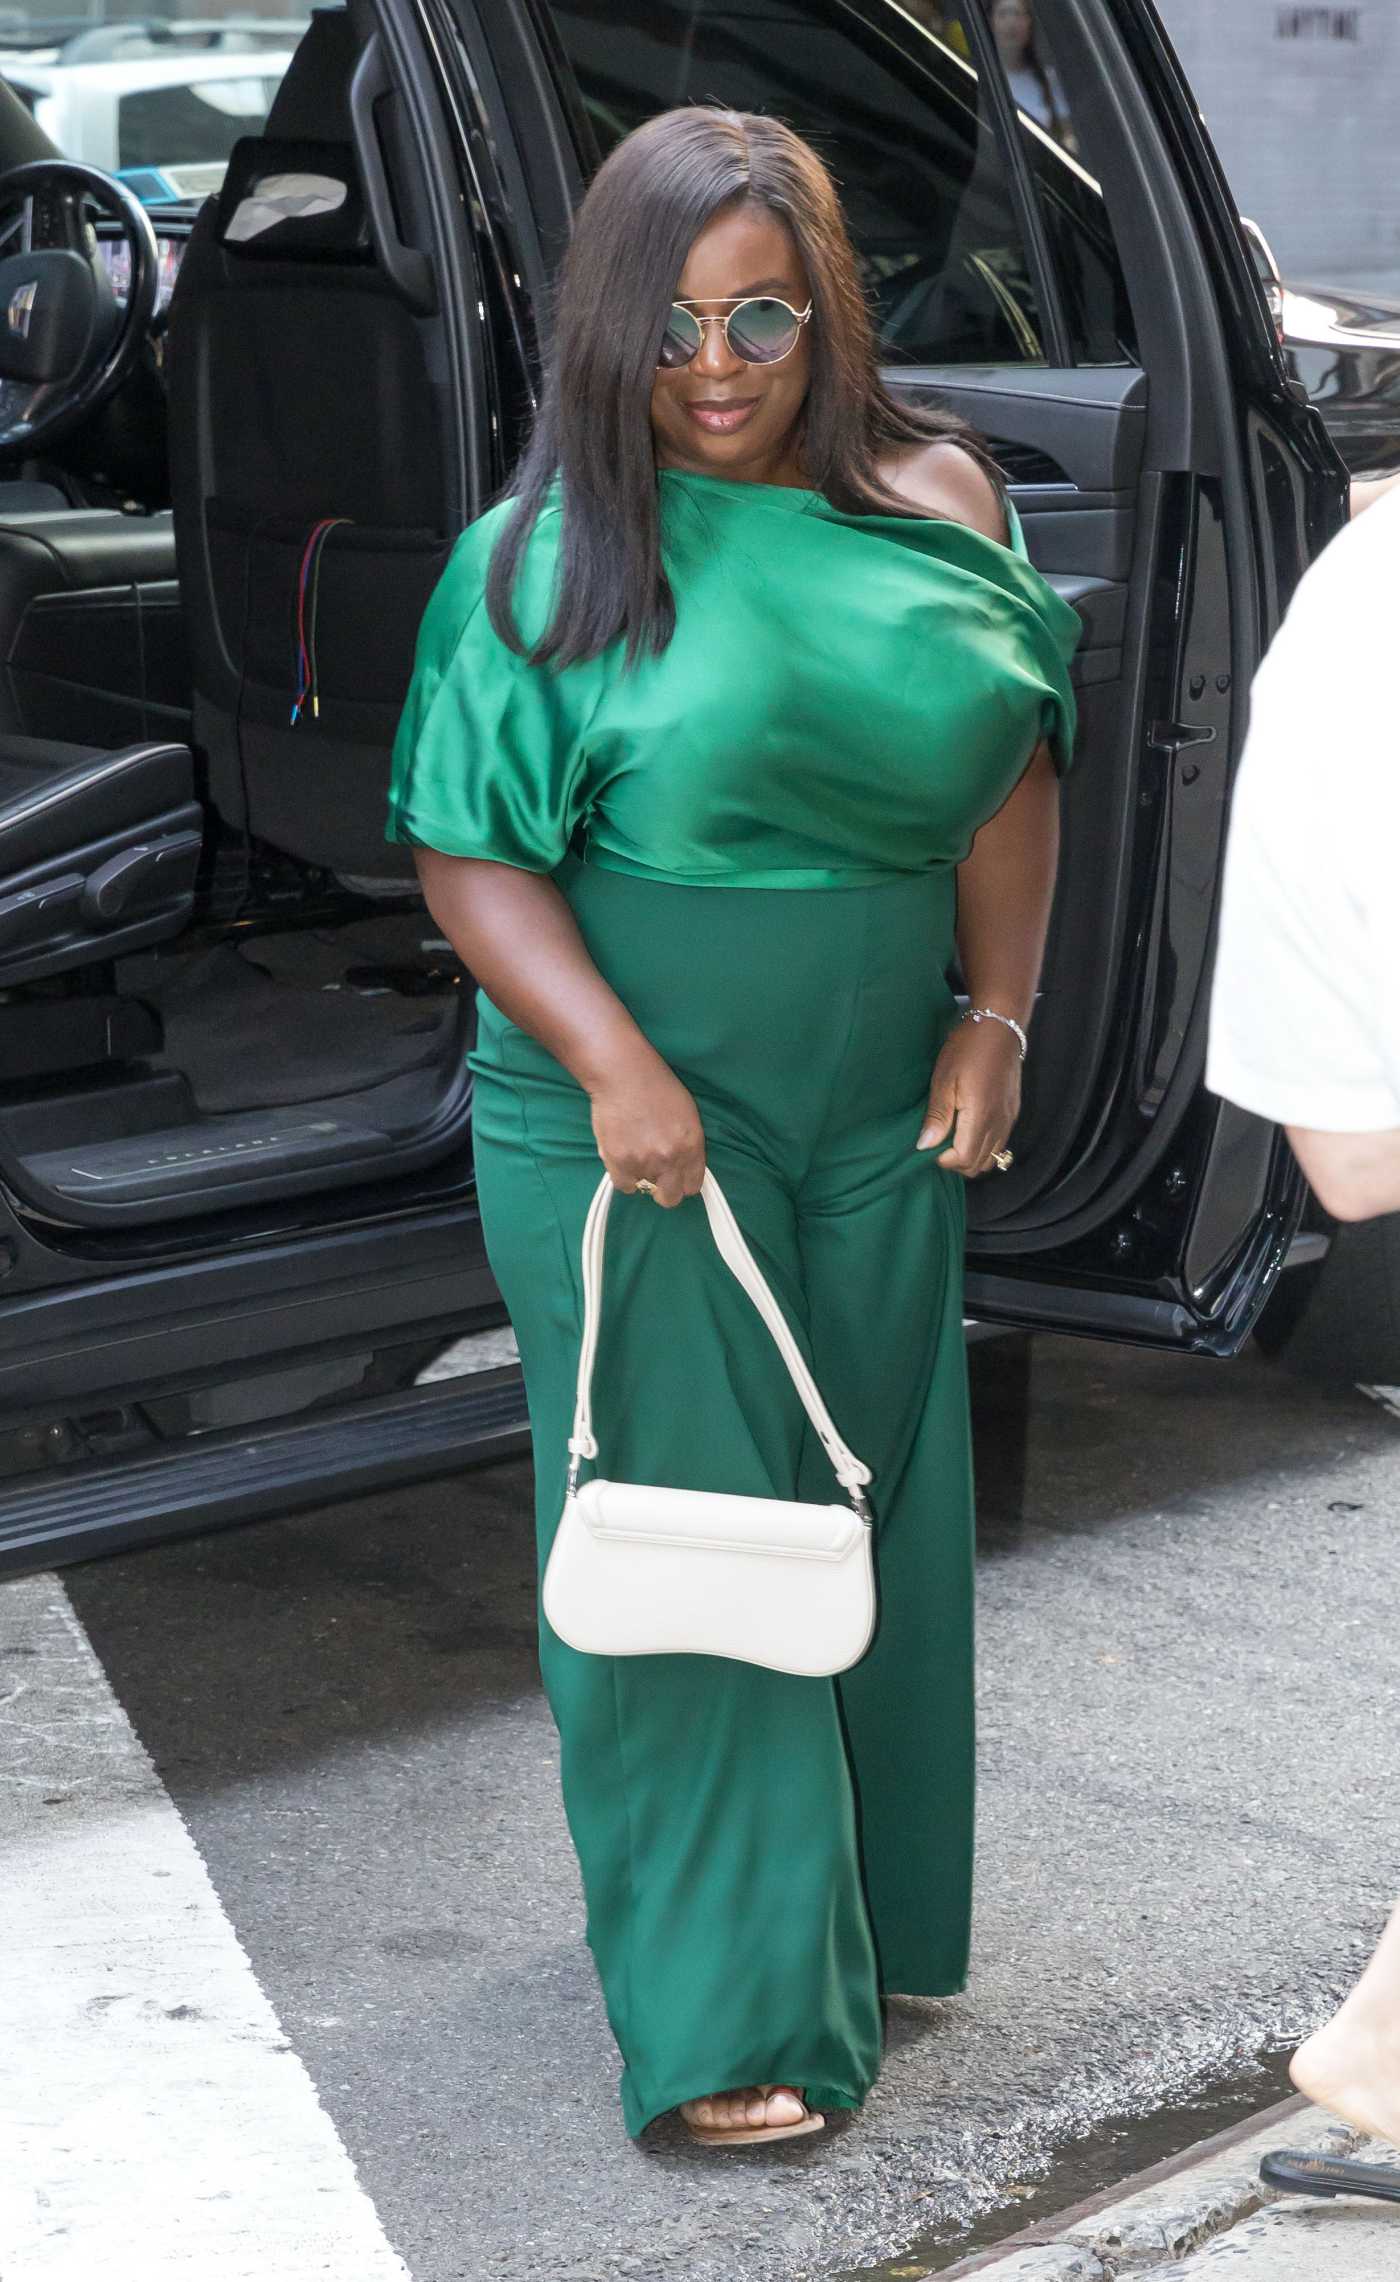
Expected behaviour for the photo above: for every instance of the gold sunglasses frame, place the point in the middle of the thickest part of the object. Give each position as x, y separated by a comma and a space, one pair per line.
740, 301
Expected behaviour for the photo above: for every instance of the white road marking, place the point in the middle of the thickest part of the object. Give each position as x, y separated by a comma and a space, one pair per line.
155, 2124
1387, 1397
478, 1351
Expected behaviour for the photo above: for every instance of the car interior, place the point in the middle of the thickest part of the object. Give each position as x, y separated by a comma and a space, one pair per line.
219, 987
219, 982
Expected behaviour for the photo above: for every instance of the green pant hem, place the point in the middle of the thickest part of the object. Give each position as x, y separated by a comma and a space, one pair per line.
918, 1986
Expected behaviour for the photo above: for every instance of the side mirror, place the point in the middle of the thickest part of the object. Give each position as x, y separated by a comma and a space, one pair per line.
1267, 271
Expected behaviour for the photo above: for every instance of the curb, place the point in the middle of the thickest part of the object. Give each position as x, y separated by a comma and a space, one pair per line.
1162, 2214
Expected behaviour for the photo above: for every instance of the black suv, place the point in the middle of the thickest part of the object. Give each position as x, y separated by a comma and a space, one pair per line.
241, 1266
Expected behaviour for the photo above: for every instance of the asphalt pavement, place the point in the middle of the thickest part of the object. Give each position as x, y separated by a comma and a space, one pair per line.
1189, 1840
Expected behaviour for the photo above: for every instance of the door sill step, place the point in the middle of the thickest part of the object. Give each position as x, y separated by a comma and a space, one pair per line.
216, 1480
155, 1168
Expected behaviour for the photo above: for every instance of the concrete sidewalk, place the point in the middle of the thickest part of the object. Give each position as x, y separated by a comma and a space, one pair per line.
1205, 2215
1299, 2241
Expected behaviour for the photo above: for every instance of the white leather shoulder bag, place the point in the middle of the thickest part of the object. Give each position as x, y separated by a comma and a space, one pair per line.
641, 1571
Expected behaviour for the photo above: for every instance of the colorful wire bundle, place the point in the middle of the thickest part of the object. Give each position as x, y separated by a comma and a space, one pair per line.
309, 576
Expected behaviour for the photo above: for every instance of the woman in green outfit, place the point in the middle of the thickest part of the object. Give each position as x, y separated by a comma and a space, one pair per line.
728, 724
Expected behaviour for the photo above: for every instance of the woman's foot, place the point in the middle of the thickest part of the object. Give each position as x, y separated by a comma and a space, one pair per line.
1351, 2065
752, 2113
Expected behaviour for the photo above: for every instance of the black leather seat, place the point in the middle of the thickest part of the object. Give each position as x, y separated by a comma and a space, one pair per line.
99, 843
124, 790
299, 394
300, 391
99, 851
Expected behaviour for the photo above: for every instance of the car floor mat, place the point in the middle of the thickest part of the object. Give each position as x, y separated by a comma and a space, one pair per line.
245, 1037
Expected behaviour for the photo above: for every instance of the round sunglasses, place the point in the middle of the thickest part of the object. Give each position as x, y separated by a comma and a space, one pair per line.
760, 329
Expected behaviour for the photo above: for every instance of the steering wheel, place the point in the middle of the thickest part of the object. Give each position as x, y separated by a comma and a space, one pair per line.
66, 342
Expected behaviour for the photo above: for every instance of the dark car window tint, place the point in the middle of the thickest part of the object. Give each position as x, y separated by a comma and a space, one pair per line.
895, 109
1089, 275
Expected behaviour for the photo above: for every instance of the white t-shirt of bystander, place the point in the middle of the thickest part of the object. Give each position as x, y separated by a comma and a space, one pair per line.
1305, 1009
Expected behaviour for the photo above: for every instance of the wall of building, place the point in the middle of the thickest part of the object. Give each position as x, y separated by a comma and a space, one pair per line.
1303, 105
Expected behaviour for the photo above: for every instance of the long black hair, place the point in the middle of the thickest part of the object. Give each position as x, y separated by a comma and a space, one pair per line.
647, 203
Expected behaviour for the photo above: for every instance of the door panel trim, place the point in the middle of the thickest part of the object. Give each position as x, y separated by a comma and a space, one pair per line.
1051, 409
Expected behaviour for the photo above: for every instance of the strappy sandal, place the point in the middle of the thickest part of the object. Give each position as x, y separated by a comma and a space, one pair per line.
750, 2135
1294, 2173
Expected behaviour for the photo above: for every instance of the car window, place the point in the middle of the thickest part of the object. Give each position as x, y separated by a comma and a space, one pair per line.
195, 125
160, 103
1300, 104
1088, 272
893, 98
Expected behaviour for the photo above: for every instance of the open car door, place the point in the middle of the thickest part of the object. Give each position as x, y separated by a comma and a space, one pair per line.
1067, 273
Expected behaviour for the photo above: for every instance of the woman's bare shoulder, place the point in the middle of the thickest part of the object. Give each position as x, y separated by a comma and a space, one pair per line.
946, 480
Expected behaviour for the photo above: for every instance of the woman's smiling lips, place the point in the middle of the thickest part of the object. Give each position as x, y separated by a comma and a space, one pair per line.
720, 414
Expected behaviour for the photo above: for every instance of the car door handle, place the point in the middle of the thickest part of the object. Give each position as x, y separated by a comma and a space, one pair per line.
408, 270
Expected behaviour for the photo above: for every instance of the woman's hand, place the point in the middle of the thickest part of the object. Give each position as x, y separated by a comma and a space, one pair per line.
647, 1127
515, 933
978, 1077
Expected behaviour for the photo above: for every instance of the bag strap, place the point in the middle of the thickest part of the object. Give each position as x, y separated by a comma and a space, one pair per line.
850, 1471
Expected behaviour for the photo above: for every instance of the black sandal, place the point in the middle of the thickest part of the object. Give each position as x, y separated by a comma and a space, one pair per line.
1293, 2173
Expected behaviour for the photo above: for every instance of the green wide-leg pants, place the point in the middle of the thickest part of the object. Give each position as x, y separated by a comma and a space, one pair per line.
762, 1855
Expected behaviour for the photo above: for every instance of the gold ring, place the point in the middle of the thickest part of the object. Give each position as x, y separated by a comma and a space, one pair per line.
1003, 1160
648, 1187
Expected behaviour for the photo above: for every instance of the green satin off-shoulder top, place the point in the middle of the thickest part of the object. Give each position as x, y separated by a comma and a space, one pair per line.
844, 697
